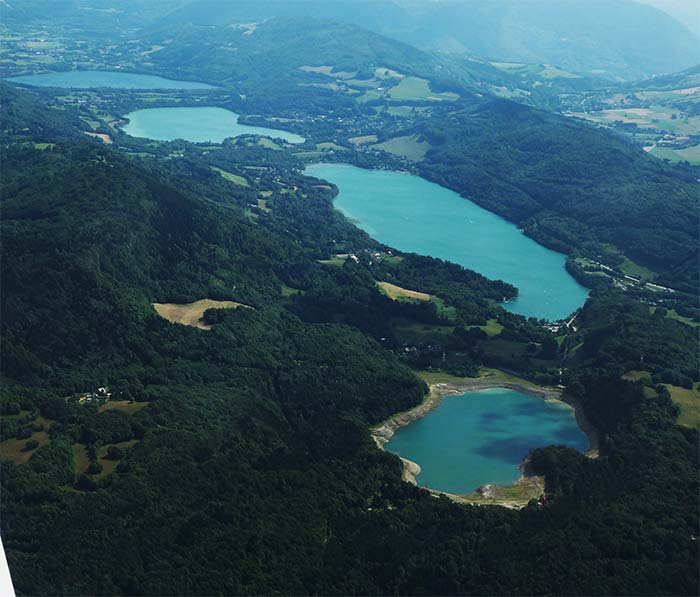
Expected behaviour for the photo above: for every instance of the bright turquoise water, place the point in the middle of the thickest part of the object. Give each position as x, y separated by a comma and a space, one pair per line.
87, 79
197, 125
482, 437
414, 215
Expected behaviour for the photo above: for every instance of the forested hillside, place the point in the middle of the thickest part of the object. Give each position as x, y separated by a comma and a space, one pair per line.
570, 186
238, 460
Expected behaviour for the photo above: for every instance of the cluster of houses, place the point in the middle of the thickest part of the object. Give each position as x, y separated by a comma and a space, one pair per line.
101, 394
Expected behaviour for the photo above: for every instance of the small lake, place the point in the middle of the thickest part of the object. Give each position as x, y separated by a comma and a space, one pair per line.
92, 79
413, 215
198, 125
481, 437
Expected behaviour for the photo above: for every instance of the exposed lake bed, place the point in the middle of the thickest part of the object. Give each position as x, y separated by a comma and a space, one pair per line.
479, 455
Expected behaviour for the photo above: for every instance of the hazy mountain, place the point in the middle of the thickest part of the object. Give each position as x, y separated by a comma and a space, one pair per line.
617, 38
686, 12
621, 38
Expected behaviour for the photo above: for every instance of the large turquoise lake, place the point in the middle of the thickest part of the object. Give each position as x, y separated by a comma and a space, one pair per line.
92, 79
413, 215
481, 437
198, 125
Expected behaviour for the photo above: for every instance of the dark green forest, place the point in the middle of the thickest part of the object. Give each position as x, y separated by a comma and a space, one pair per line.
571, 187
241, 460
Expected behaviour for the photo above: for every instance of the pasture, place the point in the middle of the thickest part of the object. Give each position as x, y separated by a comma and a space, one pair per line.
81, 460
492, 327
687, 154
328, 71
636, 375
234, 178
125, 406
13, 448
689, 402
397, 293
417, 89
191, 313
408, 147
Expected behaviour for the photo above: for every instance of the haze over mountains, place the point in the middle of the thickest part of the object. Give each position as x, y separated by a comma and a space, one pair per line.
612, 38
619, 39
686, 12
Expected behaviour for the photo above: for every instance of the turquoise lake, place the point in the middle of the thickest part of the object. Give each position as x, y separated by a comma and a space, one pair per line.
90, 79
413, 215
481, 437
198, 125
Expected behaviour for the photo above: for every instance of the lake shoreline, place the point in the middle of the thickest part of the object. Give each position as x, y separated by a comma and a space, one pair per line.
469, 235
489, 494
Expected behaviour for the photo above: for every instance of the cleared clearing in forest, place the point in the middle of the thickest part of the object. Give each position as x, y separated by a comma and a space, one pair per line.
396, 293
191, 313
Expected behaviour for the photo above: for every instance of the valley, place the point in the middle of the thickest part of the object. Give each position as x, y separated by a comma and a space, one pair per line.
243, 251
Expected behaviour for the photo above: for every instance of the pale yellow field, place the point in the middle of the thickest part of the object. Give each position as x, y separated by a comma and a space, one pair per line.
124, 406
191, 314
105, 138
396, 292
11, 449
364, 139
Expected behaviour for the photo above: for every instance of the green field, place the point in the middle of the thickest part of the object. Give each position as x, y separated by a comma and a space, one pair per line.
411, 89
326, 146
689, 401
652, 117
289, 291
268, 143
336, 261
688, 154
234, 178
408, 147
369, 96
531, 71
417, 89
492, 327
636, 375
672, 314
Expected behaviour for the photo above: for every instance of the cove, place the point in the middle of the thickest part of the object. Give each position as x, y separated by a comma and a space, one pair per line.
198, 125
92, 79
413, 215
481, 437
